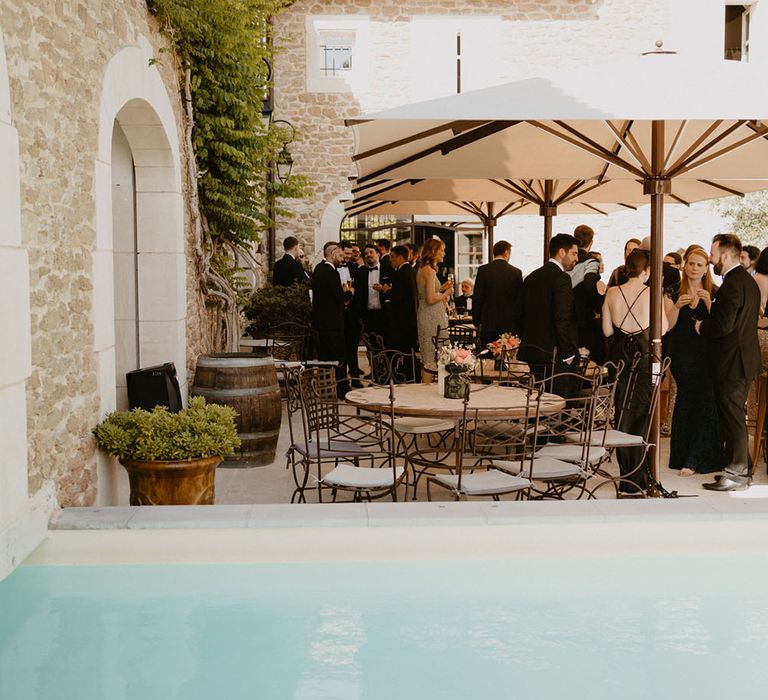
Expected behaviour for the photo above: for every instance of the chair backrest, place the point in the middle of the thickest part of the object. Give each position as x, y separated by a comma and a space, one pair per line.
373, 341
289, 341
482, 437
576, 419
463, 335
319, 400
605, 399
439, 340
544, 367
393, 366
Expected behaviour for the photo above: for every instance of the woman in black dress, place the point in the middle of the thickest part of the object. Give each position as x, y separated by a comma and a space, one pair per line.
626, 325
696, 446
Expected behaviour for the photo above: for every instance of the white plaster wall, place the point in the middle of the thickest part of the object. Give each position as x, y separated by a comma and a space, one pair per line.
22, 526
134, 97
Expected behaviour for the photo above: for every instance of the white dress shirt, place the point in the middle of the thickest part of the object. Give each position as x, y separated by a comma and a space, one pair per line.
374, 300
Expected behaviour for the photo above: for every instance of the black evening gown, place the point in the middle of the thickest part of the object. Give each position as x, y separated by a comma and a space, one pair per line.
635, 416
696, 442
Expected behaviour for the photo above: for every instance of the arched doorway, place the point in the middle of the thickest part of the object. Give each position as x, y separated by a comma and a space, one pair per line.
139, 260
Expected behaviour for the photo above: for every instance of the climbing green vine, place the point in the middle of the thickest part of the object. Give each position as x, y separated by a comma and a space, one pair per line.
223, 55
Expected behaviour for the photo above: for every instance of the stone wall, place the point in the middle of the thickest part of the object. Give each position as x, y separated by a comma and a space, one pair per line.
57, 52
508, 41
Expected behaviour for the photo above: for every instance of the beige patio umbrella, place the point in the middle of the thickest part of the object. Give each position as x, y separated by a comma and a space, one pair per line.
658, 120
489, 199
486, 200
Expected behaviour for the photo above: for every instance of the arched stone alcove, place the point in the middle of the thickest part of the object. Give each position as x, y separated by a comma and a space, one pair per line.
139, 259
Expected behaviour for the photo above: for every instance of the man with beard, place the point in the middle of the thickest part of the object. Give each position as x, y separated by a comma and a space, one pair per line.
734, 356
545, 315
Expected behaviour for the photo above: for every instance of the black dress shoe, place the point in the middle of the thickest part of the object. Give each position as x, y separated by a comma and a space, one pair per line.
729, 483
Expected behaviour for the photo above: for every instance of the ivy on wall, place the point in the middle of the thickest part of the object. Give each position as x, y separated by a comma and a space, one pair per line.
223, 54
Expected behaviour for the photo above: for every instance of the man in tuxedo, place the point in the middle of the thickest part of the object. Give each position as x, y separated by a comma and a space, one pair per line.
545, 316
734, 356
497, 287
370, 299
383, 245
352, 321
328, 299
403, 335
289, 269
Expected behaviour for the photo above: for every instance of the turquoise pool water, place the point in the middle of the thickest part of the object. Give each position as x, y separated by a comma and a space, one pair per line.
576, 627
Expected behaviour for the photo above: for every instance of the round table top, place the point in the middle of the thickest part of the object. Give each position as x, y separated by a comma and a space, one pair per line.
425, 400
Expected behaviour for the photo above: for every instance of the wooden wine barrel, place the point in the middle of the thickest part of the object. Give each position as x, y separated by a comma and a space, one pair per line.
248, 384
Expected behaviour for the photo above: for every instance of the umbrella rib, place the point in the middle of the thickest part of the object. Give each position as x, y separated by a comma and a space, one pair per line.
599, 151
533, 195
677, 199
730, 190
688, 157
719, 154
675, 143
579, 193
445, 147
460, 125
371, 205
478, 134
371, 195
368, 185
599, 211
636, 145
595, 144
466, 207
566, 195
616, 149
714, 125
510, 207
641, 160
512, 186
626, 206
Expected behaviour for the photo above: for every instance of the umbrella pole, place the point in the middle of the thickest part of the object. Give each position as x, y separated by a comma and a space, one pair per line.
547, 210
490, 225
657, 186
547, 235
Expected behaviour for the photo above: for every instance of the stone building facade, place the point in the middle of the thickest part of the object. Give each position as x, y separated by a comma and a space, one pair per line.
95, 250
405, 51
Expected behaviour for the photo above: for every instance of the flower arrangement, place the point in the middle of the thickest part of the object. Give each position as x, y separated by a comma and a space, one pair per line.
456, 358
505, 344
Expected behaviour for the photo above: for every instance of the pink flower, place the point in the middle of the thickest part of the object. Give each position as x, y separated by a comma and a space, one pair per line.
461, 354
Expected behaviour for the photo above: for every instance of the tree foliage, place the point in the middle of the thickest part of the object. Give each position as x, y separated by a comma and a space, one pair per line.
223, 44
748, 217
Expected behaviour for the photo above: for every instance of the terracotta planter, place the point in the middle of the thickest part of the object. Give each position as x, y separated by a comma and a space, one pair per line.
188, 482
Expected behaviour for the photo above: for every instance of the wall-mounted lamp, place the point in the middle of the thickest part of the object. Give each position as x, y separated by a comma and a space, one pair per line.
284, 162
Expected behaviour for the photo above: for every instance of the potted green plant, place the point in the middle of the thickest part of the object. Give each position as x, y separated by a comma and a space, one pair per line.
170, 458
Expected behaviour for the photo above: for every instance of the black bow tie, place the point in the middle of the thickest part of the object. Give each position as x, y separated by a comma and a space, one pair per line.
374, 268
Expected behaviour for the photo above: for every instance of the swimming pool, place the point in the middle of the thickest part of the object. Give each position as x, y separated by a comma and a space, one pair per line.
515, 600
534, 627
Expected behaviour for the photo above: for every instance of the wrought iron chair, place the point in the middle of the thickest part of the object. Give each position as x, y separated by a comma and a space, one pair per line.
343, 451
393, 366
558, 465
642, 382
481, 442
289, 341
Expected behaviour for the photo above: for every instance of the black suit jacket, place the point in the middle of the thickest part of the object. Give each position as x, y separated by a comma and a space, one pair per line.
497, 287
328, 299
545, 315
288, 270
732, 328
402, 298
386, 266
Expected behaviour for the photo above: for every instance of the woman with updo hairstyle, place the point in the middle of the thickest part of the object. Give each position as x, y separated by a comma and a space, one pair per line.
626, 325
696, 446
431, 316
